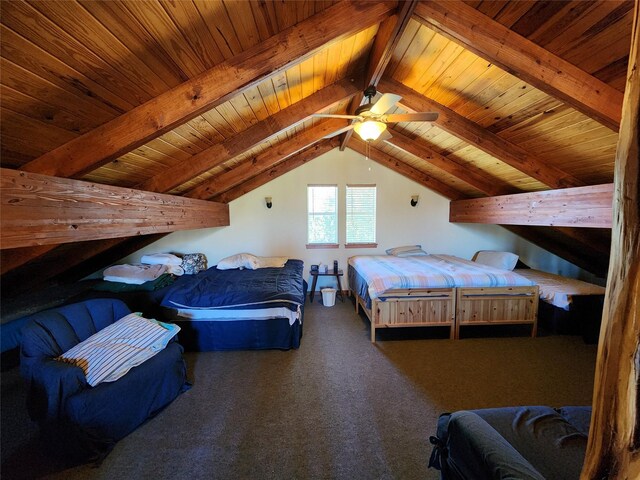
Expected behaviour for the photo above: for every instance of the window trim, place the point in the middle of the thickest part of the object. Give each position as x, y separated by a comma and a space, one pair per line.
360, 245
312, 246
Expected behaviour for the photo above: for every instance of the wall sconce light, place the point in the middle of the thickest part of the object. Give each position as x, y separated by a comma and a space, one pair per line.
414, 200
268, 201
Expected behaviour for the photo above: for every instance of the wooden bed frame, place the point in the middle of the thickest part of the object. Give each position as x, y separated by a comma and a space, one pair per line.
453, 307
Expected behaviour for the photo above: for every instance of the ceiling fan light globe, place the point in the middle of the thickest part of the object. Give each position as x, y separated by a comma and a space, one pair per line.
370, 130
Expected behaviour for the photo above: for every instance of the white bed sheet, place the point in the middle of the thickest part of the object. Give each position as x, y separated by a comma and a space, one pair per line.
204, 314
558, 290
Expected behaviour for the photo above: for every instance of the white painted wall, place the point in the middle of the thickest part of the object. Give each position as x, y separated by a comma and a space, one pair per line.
282, 230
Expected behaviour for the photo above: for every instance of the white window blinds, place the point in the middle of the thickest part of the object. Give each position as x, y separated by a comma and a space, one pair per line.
322, 208
361, 214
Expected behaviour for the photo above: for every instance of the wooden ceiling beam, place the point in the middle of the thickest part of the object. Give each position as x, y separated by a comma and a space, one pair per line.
41, 210
520, 57
265, 160
568, 207
405, 170
213, 87
260, 132
474, 177
481, 138
385, 43
279, 169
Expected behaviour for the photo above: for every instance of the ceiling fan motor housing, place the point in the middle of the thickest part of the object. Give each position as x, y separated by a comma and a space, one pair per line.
369, 92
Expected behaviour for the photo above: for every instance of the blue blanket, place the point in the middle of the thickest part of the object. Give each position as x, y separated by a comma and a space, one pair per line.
239, 289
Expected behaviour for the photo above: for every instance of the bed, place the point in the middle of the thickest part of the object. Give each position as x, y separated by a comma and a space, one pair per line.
239, 308
567, 305
439, 290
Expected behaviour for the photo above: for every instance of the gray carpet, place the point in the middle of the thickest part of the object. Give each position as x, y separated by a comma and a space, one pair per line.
339, 407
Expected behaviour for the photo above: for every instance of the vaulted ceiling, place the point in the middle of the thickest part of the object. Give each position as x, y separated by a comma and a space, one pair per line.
210, 99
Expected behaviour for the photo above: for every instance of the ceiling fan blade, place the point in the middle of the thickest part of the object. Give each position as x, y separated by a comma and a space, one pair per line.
340, 131
332, 115
386, 103
411, 117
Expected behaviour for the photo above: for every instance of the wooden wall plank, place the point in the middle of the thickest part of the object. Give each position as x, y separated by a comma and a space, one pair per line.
569, 207
211, 88
89, 96
44, 210
157, 21
125, 26
523, 58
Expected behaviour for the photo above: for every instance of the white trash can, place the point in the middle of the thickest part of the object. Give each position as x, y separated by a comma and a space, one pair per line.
328, 297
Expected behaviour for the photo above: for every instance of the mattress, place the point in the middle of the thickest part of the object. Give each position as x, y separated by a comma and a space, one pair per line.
557, 290
388, 272
210, 314
239, 309
238, 289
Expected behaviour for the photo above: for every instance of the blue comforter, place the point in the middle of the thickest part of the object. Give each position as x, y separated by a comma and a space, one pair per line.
235, 289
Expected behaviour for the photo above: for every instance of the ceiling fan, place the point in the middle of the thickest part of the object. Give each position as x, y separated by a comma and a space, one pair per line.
370, 120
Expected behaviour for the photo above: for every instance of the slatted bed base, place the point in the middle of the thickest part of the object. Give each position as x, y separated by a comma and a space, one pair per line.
452, 307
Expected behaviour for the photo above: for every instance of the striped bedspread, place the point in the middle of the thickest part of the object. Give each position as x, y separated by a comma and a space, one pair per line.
385, 272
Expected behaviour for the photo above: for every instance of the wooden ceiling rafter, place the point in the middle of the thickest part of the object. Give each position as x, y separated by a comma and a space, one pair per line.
405, 170
474, 177
275, 171
213, 87
526, 60
260, 132
387, 38
270, 157
481, 138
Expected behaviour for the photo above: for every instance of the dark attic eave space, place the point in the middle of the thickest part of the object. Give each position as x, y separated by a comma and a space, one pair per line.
497, 111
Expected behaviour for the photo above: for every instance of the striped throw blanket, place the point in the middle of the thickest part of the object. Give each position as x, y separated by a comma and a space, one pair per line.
385, 272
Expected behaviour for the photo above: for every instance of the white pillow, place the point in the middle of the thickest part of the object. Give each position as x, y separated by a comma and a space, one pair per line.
240, 260
501, 260
110, 353
412, 253
397, 251
271, 262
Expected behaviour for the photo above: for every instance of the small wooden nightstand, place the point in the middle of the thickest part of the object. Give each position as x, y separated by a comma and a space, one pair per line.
330, 273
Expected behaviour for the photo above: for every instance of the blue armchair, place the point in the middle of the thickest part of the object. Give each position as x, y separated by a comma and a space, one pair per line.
90, 420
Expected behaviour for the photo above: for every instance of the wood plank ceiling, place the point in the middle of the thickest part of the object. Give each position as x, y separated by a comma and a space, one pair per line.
71, 70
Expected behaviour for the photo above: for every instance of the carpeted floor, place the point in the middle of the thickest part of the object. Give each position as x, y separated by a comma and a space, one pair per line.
339, 407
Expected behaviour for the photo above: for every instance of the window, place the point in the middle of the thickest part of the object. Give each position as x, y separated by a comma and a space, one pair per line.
322, 208
361, 215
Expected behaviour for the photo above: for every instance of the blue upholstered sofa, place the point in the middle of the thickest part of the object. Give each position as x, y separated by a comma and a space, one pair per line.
527, 443
87, 420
